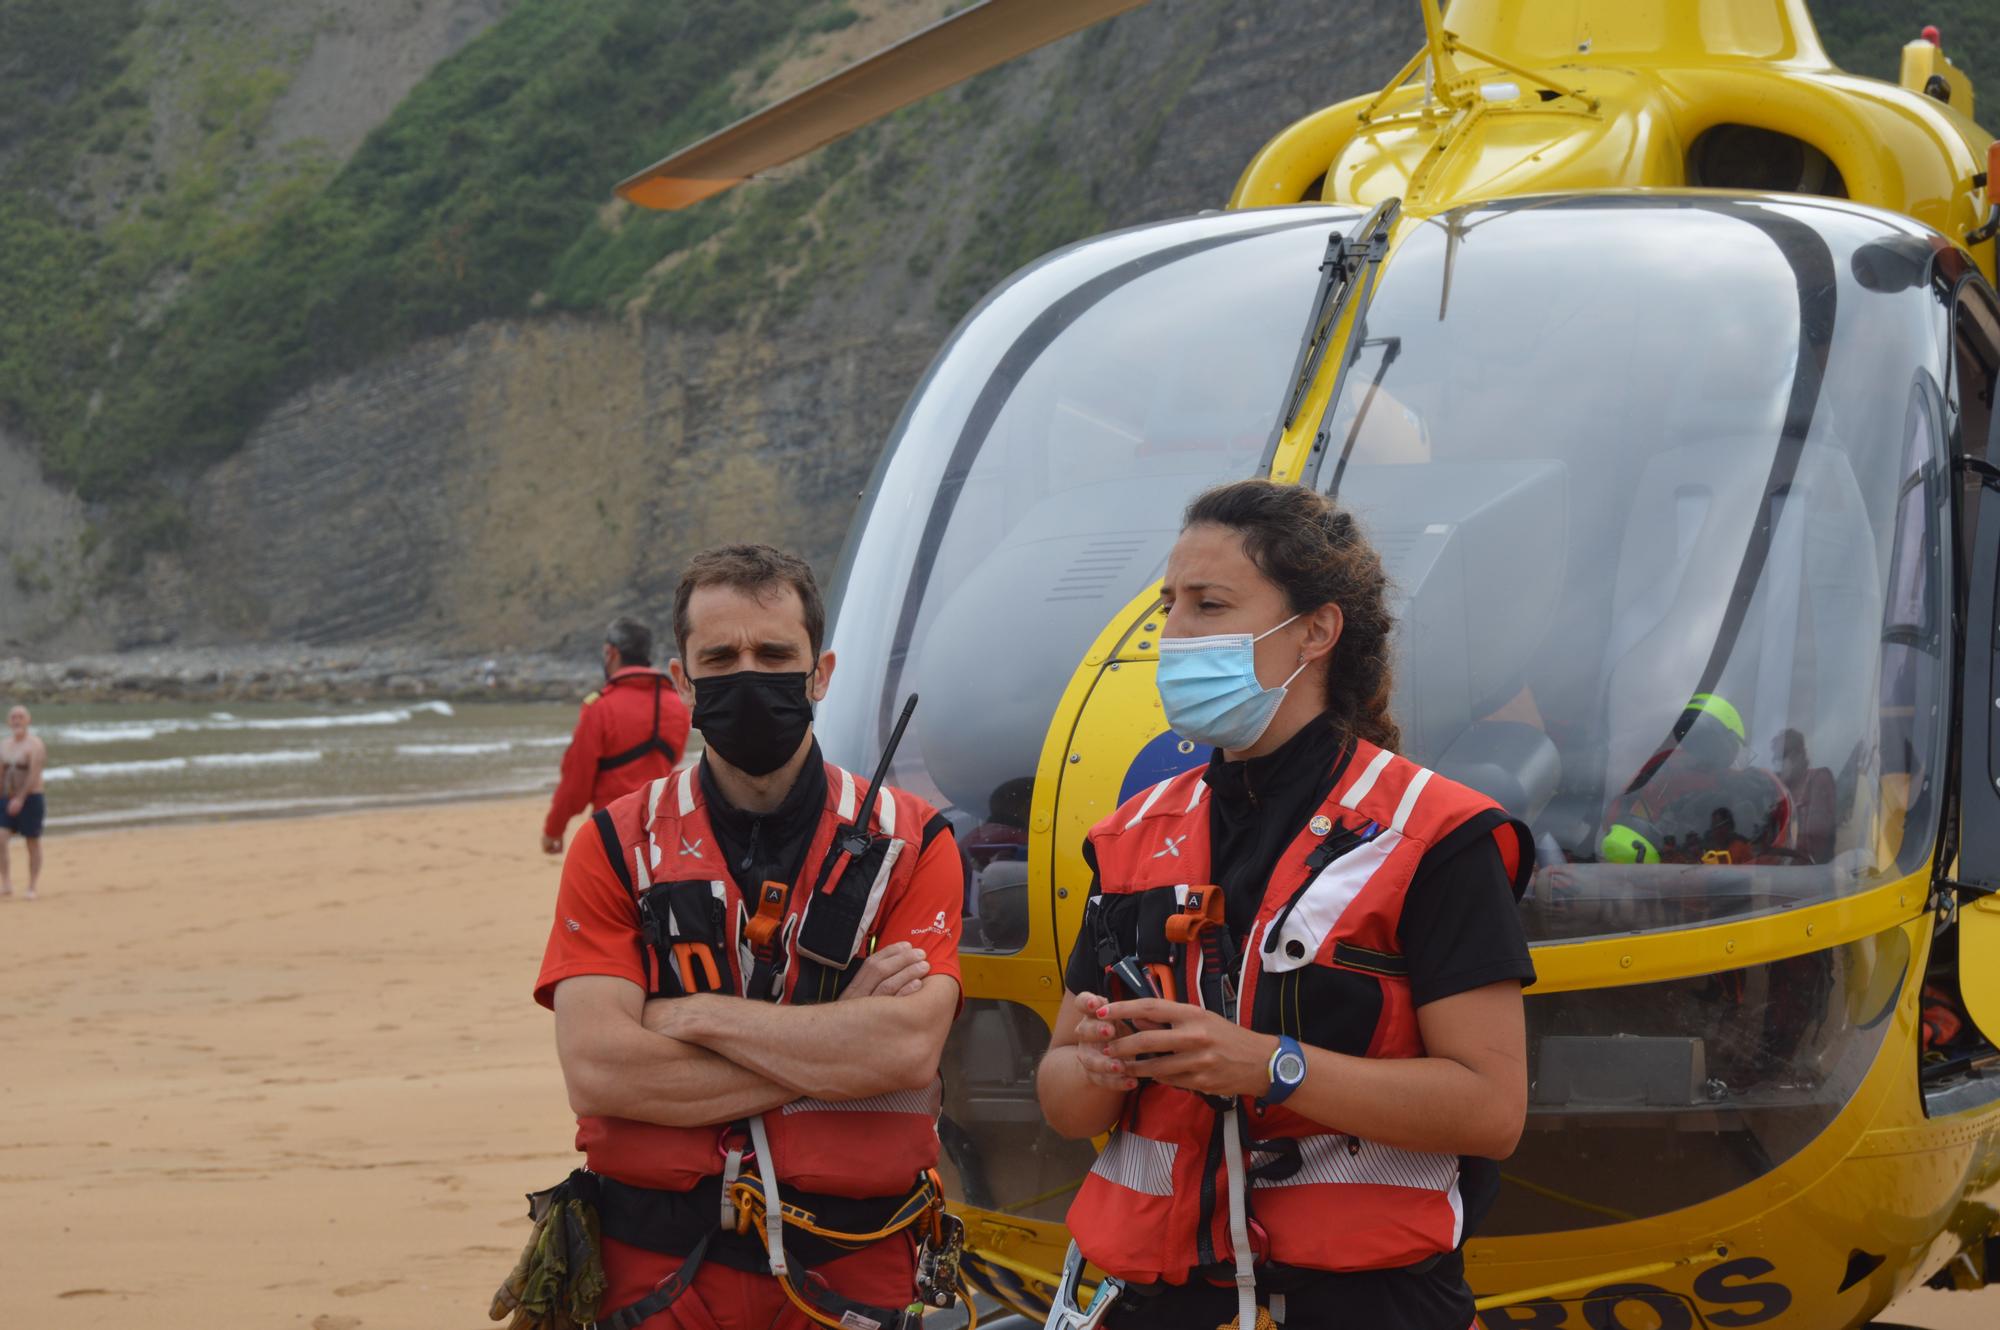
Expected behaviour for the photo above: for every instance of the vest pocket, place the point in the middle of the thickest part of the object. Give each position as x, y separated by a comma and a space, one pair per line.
1328, 1008
683, 925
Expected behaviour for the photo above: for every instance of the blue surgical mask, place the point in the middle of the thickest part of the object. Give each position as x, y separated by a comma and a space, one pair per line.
1210, 689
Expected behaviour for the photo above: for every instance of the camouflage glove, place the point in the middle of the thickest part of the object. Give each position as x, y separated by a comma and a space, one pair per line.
559, 1280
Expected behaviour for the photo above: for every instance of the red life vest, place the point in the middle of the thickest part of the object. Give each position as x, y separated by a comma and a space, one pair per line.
1155, 1205
698, 932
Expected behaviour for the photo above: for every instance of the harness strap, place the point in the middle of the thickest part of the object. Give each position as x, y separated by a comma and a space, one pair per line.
653, 744
774, 1210
613, 849
664, 1294
1239, 1220
818, 1302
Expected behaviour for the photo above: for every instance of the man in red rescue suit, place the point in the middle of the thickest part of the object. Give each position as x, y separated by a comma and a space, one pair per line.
1302, 1125
630, 732
752, 976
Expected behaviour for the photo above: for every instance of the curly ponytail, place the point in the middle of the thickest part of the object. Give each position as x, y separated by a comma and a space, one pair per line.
1310, 547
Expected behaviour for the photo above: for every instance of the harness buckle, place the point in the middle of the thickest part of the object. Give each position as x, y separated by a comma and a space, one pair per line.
770, 917
1201, 911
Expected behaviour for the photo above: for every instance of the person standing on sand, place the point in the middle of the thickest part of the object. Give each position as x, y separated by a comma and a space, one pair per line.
753, 968
23, 757
629, 733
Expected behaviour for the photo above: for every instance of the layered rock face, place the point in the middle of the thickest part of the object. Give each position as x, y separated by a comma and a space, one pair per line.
514, 485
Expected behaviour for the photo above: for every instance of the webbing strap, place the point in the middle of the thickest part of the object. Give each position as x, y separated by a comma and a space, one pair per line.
614, 851
663, 1296
1239, 1221
653, 744
774, 1213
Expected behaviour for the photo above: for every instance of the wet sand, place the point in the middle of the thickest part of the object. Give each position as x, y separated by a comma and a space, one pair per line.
287, 1074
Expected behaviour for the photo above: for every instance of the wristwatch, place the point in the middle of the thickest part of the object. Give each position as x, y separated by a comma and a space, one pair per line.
1288, 1070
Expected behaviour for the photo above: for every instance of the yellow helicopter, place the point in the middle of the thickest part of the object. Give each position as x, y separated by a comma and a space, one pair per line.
1658, 357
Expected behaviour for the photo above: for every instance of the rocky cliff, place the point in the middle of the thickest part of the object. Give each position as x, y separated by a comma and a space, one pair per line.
514, 485
729, 374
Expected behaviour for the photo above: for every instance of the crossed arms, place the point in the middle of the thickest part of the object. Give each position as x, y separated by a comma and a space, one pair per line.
706, 1059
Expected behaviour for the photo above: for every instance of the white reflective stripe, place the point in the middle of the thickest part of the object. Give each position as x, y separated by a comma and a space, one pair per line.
1409, 804
1152, 797
644, 879
1137, 1163
653, 793
687, 791
1366, 780
1457, 1215
885, 812
924, 1103
1325, 899
1326, 1160
1194, 800
1239, 1221
846, 809
876, 891
774, 1210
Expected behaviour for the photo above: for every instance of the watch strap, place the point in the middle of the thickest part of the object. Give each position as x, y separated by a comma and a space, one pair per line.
1288, 1047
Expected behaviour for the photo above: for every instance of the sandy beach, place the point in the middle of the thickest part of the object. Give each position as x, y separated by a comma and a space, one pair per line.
287, 1074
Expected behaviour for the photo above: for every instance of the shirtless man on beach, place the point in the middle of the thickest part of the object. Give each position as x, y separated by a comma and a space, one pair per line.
22, 758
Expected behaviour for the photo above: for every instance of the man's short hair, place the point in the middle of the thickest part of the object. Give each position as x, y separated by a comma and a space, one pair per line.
758, 570
632, 640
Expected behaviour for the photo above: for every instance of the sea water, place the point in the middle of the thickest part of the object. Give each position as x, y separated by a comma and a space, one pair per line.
114, 764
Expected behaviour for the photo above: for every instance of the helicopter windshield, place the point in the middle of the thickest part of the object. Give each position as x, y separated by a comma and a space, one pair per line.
1034, 487
1658, 481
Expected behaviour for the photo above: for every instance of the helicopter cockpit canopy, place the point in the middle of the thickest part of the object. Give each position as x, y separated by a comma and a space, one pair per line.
1611, 473
1664, 515
1036, 482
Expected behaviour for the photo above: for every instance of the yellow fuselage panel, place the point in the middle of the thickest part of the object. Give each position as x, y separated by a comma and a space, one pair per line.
1893, 148
1653, 31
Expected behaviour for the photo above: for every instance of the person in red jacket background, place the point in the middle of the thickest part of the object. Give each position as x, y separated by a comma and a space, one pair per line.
630, 732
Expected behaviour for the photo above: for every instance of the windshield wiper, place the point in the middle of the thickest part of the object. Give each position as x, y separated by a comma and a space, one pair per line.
1346, 256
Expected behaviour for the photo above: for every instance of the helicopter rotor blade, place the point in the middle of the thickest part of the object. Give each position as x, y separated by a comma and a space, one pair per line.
949, 51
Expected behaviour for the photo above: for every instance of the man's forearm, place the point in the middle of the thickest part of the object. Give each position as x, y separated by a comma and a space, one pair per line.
832, 1050
634, 1073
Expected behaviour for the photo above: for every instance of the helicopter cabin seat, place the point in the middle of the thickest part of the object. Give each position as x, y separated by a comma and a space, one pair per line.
1469, 548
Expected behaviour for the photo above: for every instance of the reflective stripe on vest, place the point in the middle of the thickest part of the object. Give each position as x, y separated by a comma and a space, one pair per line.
1342, 1203
876, 1146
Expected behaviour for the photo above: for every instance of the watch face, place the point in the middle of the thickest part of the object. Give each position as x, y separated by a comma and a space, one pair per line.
1291, 1068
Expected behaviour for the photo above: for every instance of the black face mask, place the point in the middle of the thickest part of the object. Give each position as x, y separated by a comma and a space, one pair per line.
753, 720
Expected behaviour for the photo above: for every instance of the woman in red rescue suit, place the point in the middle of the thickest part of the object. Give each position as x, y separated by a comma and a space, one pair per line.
1305, 1119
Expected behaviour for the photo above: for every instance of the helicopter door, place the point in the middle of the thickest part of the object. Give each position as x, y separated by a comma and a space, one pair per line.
1976, 322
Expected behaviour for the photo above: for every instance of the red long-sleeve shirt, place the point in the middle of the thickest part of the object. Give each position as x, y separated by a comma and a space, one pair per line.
637, 704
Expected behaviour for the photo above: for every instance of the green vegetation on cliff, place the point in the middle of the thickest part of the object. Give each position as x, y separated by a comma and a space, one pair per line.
150, 316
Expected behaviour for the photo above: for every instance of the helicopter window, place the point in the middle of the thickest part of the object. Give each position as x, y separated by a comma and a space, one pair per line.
1036, 483
1667, 553
1713, 1082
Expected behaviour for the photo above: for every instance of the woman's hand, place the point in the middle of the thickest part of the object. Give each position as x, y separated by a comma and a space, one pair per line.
1093, 1035
1194, 1049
